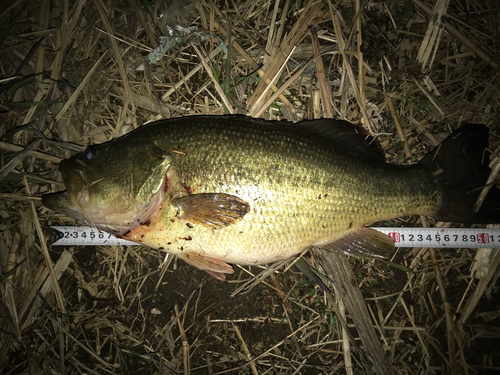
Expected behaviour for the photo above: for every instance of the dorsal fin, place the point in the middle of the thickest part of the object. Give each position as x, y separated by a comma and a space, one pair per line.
353, 138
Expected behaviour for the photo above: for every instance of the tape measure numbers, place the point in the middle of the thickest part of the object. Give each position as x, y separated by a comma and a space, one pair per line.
444, 237
85, 236
403, 237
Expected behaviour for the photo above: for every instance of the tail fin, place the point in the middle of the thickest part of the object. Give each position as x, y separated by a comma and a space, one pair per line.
460, 166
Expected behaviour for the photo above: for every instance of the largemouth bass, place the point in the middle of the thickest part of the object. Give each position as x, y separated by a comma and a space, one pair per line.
231, 189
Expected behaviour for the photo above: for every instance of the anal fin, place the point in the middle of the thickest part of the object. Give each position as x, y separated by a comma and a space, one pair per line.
213, 266
364, 242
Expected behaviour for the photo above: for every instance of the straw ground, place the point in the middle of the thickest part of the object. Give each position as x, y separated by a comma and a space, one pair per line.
76, 72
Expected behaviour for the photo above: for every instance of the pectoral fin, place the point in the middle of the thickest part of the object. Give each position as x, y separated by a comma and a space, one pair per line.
212, 210
215, 267
364, 242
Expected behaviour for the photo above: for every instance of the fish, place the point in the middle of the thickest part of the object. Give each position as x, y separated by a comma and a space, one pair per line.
230, 189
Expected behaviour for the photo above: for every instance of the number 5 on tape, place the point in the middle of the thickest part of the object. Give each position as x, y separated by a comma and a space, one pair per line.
85, 236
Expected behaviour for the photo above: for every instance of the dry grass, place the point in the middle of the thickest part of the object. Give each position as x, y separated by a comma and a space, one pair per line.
408, 70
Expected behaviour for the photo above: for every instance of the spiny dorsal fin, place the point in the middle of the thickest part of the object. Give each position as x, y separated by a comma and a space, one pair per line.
353, 138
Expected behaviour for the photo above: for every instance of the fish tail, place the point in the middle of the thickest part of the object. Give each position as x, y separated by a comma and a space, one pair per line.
460, 166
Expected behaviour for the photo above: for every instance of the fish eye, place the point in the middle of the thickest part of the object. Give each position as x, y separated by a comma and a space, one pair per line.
90, 153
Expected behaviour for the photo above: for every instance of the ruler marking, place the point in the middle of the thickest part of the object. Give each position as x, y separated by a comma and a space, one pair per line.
444, 237
85, 236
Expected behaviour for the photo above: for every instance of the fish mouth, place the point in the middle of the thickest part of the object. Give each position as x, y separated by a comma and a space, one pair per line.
56, 201
78, 205
60, 202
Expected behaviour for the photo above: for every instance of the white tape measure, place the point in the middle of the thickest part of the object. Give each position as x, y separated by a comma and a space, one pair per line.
403, 237
444, 237
85, 236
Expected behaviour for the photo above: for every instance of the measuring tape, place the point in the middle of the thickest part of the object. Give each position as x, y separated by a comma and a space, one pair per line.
85, 236
403, 237
444, 237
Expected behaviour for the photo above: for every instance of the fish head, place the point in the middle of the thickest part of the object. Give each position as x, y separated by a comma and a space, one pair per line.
116, 185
